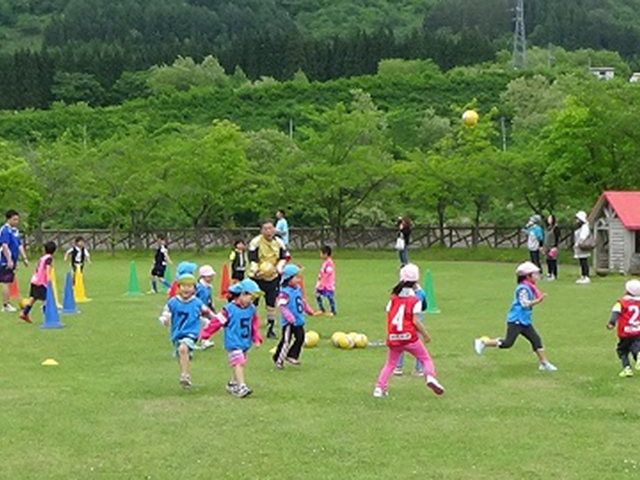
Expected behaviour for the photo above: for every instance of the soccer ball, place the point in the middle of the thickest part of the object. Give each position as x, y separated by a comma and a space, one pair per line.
23, 303
336, 337
353, 336
470, 118
311, 339
346, 342
266, 268
361, 340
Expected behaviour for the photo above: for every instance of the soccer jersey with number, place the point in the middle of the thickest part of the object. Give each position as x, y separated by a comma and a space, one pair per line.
185, 317
238, 325
400, 311
291, 298
629, 319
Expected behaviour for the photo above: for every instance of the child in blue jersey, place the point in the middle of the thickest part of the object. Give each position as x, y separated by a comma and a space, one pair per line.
519, 318
182, 313
241, 329
419, 368
292, 307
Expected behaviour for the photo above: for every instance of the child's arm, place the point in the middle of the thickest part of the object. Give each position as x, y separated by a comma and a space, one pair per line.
167, 258
615, 313
307, 309
165, 316
255, 328
87, 256
67, 253
420, 327
526, 302
283, 302
217, 322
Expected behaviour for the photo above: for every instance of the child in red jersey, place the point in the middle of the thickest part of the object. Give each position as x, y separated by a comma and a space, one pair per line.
403, 326
626, 313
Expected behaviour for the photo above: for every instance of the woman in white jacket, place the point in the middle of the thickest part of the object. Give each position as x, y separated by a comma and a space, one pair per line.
580, 235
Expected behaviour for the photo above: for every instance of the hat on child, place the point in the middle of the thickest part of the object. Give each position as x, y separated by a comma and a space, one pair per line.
409, 273
207, 271
185, 268
535, 219
633, 288
527, 268
186, 279
245, 286
289, 272
582, 216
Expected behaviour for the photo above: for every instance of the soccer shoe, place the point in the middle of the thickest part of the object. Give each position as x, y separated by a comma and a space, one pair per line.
185, 380
583, 281
549, 367
151, 292
294, 361
231, 387
397, 371
24, 317
329, 314
418, 373
207, 344
478, 346
9, 308
271, 334
380, 393
434, 385
243, 391
318, 313
279, 365
627, 372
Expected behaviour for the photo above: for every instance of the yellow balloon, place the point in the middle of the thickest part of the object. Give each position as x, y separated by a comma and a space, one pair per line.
470, 118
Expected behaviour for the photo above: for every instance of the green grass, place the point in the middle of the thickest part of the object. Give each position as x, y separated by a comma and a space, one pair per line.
114, 409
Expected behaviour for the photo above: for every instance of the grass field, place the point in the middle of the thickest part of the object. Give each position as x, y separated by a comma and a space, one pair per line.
113, 407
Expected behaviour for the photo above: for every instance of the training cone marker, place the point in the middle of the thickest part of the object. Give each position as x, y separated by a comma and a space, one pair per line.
54, 283
51, 315
224, 282
50, 362
134, 286
78, 287
69, 300
14, 293
432, 307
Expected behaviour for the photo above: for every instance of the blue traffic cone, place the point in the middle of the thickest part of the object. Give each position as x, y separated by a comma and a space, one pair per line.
51, 315
69, 300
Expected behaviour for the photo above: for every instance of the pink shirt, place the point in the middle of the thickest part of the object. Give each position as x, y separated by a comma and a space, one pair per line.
40, 276
327, 276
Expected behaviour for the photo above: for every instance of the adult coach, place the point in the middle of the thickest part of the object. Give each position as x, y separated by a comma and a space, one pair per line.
11, 250
267, 258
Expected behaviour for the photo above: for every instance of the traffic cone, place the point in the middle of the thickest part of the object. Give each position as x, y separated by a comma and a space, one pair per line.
14, 293
224, 281
78, 287
54, 283
432, 307
168, 278
134, 286
51, 315
69, 300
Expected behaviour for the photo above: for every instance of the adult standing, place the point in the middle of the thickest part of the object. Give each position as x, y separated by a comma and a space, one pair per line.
267, 258
535, 237
551, 241
282, 227
404, 237
582, 246
11, 250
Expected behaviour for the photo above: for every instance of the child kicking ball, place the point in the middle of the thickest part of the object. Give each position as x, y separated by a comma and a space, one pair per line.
519, 318
626, 315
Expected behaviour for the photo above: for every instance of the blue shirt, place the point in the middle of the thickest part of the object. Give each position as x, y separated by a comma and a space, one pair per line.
238, 331
422, 296
517, 313
203, 292
291, 298
11, 237
185, 317
282, 230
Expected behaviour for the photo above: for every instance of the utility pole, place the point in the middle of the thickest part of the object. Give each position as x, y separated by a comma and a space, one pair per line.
519, 38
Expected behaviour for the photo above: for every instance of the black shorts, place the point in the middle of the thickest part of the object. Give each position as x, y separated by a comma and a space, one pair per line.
271, 289
39, 292
6, 275
527, 331
238, 275
158, 271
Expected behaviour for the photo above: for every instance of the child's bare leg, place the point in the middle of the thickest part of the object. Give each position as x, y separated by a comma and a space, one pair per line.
238, 374
183, 356
493, 342
542, 356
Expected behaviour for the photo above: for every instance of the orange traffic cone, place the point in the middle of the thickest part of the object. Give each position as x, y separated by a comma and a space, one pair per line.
14, 293
224, 282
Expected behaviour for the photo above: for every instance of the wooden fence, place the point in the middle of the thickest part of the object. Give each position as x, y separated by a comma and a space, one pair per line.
300, 238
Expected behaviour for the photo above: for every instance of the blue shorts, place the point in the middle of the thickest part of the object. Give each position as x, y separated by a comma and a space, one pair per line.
189, 342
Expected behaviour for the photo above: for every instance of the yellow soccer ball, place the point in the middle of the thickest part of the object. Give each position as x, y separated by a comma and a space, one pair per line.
353, 336
336, 337
346, 342
23, 303
361, 341
470, 118
266, 268
311, 339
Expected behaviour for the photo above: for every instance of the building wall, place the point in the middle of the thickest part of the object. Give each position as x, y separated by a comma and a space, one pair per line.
619, 248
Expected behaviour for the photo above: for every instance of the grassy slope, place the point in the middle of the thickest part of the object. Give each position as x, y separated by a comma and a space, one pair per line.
113, 409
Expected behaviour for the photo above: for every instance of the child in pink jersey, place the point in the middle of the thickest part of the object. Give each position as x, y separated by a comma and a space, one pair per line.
403, 327
326, 284
39, 281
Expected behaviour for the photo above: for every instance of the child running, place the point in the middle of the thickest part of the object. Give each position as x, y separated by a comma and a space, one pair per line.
626, 314
241, 328
78, 254
519, 320
160, 261
403, 326
238, 259
292, 307
326, 284
419, 368
183, 313
39, 281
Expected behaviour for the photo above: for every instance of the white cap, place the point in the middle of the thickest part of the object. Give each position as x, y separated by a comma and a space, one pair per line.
582, 216
527, 268
409, 273
207, 271
633, 287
